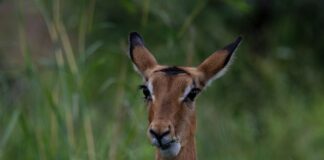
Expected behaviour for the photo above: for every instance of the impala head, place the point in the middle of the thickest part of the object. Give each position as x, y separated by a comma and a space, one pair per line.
170, 93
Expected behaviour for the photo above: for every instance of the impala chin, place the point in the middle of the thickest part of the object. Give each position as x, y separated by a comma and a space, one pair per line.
172, 151
167, 147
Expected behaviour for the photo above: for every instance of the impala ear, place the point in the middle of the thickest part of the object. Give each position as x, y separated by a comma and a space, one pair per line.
141, 57
216, 64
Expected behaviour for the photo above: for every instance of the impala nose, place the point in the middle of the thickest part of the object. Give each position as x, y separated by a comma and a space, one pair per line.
161, 135
162, 140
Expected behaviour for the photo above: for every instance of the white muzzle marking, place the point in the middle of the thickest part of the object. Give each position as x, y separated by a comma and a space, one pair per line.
172, 151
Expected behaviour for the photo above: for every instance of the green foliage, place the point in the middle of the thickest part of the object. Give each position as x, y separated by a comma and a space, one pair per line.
82, 102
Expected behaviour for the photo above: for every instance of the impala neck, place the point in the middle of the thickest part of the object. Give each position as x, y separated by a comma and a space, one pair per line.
187, 152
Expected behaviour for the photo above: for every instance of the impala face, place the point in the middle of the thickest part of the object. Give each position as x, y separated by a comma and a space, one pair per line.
170, 94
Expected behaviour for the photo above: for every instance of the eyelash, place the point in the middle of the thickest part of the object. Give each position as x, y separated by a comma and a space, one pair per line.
146, 92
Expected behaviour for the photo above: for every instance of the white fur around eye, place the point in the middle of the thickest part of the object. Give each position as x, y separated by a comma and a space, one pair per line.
150, 88
185, 93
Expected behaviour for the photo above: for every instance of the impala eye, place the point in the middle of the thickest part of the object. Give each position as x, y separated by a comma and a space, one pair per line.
146, 92
192, 94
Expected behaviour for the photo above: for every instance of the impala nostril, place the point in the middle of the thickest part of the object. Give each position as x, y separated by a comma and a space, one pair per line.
153, 133
165, 133
158, 135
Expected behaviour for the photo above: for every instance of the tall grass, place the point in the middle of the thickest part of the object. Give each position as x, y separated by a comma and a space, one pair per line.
84, 103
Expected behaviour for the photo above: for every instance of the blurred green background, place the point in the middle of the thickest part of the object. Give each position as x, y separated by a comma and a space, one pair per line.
68, 89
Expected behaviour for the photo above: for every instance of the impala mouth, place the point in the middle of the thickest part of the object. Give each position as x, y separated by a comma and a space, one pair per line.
167, 147
164, 142
170, 150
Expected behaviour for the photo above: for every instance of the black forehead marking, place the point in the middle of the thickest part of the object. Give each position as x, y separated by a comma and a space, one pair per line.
172, 71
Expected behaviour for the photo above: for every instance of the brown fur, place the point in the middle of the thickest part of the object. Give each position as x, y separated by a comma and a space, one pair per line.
166, 111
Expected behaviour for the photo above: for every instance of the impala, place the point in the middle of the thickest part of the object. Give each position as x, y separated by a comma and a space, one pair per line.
170, 94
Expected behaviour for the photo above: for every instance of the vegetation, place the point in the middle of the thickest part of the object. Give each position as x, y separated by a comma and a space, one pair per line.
72, 94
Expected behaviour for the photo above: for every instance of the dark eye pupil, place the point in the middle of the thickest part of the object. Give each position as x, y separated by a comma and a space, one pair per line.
146, 92
192, 94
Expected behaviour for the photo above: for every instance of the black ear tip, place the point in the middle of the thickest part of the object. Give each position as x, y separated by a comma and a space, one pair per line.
134, 34
239, 39
231, 47
135, 39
